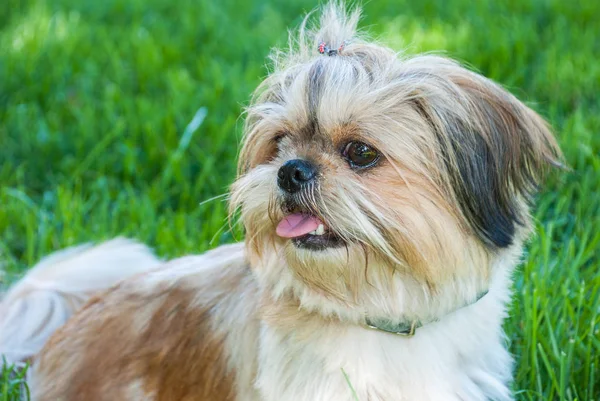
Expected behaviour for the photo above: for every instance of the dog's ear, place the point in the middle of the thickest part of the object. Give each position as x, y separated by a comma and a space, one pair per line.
493, 147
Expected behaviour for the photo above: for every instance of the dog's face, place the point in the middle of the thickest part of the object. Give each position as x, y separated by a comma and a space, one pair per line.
374, 183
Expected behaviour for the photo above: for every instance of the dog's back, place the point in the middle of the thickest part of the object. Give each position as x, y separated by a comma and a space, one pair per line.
59, 285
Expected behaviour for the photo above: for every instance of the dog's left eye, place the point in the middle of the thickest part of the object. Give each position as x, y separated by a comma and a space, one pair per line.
360, 155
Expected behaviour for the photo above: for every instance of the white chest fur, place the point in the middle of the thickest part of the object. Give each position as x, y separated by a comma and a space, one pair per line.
461, 357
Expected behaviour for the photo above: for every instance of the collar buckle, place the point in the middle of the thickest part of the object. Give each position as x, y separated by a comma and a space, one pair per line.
405, 330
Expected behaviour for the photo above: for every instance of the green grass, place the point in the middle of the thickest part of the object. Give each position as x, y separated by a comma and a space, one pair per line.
95, 98
12, 382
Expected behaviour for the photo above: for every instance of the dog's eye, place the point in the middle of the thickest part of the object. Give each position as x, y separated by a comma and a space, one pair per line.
360, 155
278, 137
276, 142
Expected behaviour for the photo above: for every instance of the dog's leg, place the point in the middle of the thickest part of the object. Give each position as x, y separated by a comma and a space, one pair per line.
53, 290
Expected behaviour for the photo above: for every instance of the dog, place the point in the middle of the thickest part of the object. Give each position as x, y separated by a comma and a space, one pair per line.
386, 202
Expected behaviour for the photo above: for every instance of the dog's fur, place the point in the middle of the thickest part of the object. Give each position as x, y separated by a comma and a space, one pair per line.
441, 218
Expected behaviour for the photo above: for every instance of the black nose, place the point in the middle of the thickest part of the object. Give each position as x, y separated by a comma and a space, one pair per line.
295, 173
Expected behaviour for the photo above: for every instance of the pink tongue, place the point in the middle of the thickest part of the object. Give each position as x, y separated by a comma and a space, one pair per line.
297, 225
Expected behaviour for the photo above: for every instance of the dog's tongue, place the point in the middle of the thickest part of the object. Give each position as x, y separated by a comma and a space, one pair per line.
297, 225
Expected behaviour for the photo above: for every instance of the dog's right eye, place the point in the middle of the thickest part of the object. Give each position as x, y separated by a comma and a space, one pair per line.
277, 140
273, 147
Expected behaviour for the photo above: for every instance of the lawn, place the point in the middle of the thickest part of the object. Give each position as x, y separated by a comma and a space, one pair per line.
119, 117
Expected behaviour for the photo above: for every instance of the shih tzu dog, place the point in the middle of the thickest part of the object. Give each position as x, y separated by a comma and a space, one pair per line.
385, 201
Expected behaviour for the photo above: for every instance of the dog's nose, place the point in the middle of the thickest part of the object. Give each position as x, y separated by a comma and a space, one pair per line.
294, 174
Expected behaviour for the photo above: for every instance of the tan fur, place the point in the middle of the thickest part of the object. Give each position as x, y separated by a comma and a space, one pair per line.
154, 336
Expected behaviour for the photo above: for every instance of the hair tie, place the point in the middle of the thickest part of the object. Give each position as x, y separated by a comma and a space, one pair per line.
324, 49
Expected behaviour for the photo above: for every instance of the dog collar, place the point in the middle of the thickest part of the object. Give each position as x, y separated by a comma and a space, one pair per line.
406, 328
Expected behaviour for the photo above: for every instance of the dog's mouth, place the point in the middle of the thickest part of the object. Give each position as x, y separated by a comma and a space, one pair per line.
307, 231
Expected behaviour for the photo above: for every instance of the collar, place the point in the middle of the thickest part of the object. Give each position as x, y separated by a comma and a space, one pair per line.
407, 328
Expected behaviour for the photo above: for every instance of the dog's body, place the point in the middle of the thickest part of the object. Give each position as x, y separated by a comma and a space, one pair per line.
199, 328
385, 202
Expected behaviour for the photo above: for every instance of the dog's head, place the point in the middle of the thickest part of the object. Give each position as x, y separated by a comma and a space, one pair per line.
367, 179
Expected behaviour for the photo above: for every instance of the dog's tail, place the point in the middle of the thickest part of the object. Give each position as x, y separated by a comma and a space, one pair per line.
53, 290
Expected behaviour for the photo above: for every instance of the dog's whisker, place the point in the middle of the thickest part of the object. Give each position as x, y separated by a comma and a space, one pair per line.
224, 196
221, 229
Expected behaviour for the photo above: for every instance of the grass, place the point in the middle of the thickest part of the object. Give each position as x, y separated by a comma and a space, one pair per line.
95, 98
12, 382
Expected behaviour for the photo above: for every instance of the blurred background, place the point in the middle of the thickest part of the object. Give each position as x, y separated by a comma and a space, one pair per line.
120, 117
